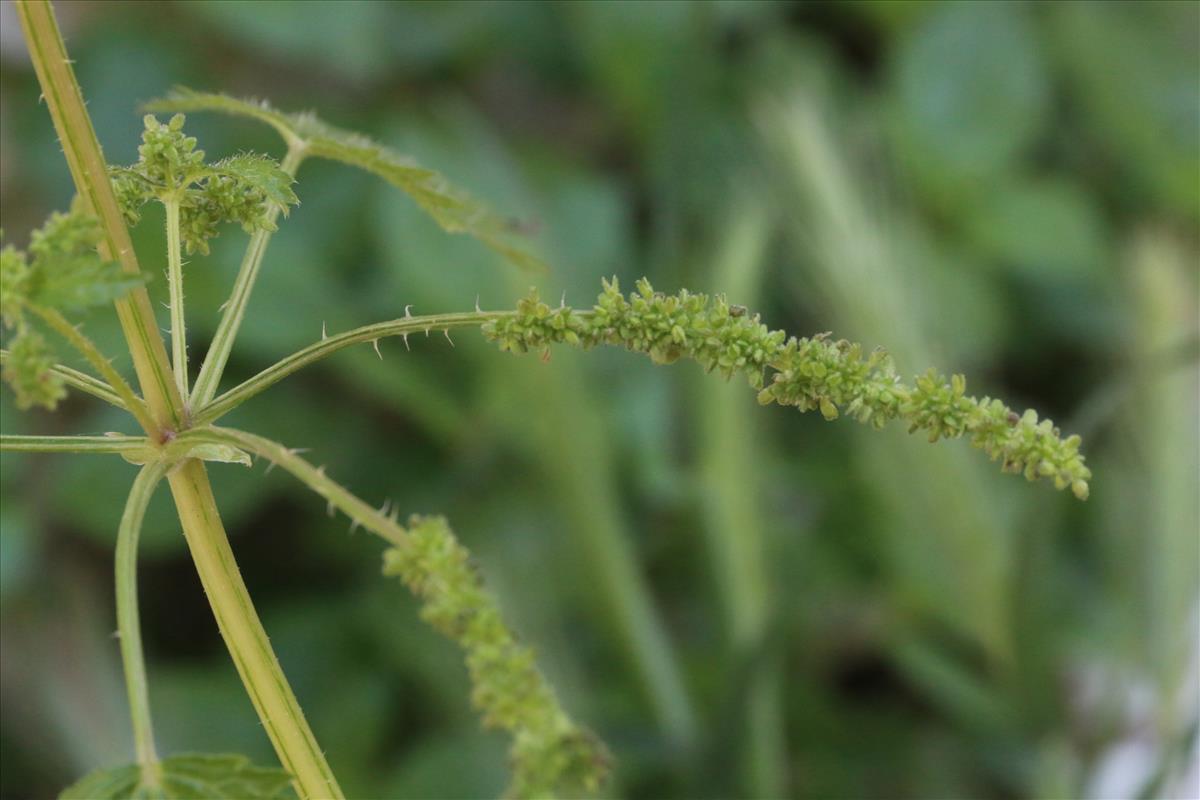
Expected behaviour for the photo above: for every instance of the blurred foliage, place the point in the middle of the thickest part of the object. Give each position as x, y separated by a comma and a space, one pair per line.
740, 601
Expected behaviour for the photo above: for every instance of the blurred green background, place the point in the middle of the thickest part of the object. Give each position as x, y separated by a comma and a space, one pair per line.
743, 602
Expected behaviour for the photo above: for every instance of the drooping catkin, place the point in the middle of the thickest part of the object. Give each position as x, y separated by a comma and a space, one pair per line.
550, 756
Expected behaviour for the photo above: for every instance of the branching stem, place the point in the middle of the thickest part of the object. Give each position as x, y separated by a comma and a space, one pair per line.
247, 641
213, 367
359, 511
128, 626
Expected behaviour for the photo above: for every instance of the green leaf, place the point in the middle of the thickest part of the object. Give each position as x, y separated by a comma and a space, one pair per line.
1132, 73
80, 283
61, 272
66, 273
246, 188
226, 454
192, 776
970, 91
1049, 229
453, 209
261, 172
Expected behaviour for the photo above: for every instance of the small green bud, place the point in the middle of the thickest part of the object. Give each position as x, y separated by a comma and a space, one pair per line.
28, 372
15, 276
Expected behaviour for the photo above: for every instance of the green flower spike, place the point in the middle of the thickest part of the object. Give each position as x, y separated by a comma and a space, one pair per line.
817, 373
550, 755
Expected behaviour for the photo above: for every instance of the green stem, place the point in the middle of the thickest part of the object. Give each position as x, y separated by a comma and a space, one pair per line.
213, 367
245, 637
330, 345
81, 381
314, 478
134, 446
175, 284
90, 173
92, 353
129, 628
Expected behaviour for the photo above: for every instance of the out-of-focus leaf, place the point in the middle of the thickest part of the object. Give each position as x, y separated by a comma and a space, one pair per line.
83, 283
193, 776
1044, 228
970, 91
351, 40
1134, 71
454, 209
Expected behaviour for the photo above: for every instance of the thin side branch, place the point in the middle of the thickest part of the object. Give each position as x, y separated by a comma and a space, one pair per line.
128, 625
137, 447
359, 511
81, 381
328, 346
175, 284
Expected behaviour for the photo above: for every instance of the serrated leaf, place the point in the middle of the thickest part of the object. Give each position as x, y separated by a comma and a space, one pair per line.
79, 283
181, 98
262, 172
66, 272
453, 209
191, 776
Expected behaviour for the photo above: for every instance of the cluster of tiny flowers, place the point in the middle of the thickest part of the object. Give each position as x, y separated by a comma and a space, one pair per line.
818, 373
550, 754
27, 371
61, 271
241, 189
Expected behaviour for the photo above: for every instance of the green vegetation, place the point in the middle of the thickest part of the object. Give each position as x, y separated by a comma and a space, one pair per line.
941, 578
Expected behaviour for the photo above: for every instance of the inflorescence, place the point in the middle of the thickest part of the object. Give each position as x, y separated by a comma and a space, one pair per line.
62, 272
833, 376
550, 754
242, 188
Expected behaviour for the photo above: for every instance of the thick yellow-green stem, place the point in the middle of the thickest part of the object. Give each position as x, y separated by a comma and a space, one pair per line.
244, 635
90, 172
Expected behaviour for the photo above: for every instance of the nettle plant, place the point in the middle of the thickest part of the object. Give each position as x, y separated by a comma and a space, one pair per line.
85, 258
